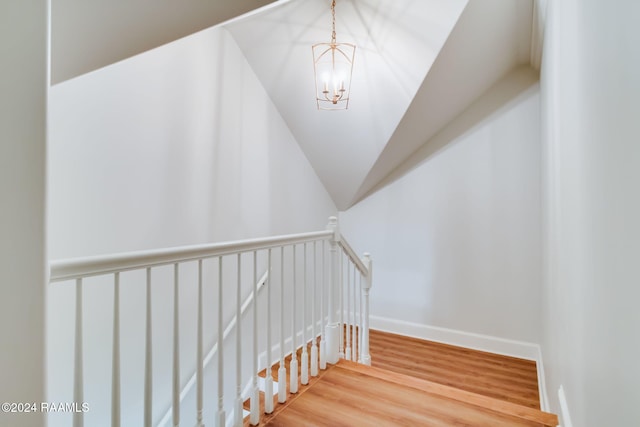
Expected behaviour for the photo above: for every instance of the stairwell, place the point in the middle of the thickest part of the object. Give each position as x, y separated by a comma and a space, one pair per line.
414, 382
378, 379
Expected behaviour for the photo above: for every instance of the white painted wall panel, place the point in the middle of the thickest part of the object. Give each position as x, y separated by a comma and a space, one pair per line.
23, 97
590, 87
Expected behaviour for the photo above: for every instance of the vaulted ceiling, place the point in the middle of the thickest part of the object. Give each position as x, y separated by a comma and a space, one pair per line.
87, 35
418, 65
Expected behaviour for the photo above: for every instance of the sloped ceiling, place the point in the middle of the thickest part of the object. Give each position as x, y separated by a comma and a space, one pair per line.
87, 35
491, 39
419, 64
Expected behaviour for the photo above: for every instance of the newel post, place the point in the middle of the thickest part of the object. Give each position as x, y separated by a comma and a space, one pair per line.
332, 330
366, 357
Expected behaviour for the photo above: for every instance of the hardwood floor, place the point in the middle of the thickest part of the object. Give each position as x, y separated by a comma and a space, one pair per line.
417, 383
501, 377
354, 396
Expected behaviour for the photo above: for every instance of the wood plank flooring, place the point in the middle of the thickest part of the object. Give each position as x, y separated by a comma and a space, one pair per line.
417, 383
353, 397
501, 377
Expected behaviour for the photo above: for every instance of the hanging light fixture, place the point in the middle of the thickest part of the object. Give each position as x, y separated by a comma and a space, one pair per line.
333, 66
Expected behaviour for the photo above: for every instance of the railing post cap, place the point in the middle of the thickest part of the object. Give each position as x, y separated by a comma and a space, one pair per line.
367, 262
333, 226
366, 258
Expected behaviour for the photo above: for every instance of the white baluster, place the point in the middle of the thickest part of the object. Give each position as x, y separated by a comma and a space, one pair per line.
282, 370
148, 378
78, 381
354, 327
314, 336
115, 360
176, 348
332, 334
220, 416
304, 367
341, 293
199, 379
268, 384
254, 418
347, 351
238, 404
323, 342
366, 357
359, 317
293, 365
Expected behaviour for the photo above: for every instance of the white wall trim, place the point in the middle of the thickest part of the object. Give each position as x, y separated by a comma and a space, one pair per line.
564, 408
542, 386
519, 349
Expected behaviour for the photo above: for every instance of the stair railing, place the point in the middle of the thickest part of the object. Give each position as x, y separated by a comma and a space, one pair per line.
345, 316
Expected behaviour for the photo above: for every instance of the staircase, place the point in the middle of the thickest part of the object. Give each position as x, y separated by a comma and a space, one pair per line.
391, 394
313, 297
313, 283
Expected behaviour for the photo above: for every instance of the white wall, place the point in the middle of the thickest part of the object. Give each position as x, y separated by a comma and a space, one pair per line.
23, 85
590, 90
179, 145
456, 239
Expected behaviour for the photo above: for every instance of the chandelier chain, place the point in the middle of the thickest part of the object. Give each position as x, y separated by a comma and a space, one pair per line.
333, 21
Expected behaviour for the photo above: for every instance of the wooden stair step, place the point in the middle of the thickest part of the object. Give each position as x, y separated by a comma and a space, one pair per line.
348, 395
494, 375
495, 405
439, 403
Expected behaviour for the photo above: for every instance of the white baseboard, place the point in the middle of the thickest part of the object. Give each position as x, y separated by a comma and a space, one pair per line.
519, 349
542, 387
564, 408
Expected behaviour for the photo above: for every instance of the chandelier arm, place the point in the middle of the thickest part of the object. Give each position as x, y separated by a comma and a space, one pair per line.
323, 53
344, 54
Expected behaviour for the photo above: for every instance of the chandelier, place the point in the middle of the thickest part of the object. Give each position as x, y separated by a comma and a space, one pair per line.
333, 66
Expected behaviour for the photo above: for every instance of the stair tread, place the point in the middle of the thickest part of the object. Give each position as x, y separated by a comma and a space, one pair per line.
349, 395
496, 405
509, 407
494, 375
